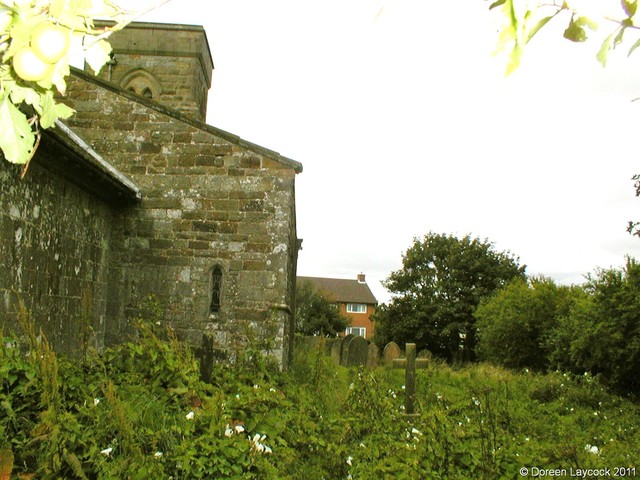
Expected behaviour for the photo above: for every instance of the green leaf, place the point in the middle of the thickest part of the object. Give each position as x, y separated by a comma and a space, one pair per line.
16, 136
51, 111
537, 27
514, 59
630, 7
497, 3
633, 47
20, 94
604, 50
97, 54
576, 29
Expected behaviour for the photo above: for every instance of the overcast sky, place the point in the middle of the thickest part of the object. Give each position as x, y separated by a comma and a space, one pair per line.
405, 124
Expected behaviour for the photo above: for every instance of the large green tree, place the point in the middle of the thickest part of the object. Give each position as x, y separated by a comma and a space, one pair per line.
317, 313
442, 280
515, 324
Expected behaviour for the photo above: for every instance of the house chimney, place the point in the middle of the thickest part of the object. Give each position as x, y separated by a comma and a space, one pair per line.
361, 278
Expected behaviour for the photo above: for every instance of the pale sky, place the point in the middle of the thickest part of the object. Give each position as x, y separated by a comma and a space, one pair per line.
405, 124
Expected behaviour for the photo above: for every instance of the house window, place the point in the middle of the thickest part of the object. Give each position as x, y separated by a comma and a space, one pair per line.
356, 308
357, 331
216, 287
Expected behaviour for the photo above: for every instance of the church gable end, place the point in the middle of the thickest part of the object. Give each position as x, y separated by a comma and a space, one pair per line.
213, 206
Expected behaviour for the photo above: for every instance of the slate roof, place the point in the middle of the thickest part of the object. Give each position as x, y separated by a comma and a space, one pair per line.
74, 160
342, 290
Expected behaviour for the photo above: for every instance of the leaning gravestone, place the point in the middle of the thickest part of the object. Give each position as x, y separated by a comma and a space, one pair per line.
372, 357
391, 352
357, 352
344, 349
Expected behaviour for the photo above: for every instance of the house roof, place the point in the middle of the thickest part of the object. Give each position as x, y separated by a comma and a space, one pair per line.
342, 290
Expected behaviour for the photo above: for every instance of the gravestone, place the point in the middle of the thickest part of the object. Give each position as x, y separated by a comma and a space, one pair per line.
372, 357
357, 352
336, 347
328, 345
344, 349
391, 352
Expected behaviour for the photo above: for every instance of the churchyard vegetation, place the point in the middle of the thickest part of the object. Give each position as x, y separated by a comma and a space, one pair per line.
140, 411
442, 280
592, 328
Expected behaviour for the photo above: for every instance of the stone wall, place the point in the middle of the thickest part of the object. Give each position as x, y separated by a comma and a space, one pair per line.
209, 200
55, 245
176, 56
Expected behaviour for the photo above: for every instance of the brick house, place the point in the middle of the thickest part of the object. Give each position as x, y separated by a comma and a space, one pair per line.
137, 196
354, 299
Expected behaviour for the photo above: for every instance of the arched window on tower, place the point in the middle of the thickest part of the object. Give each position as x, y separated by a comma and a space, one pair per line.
142, 83
216, 288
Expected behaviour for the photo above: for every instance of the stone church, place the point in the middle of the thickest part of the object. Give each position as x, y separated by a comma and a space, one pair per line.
135, 196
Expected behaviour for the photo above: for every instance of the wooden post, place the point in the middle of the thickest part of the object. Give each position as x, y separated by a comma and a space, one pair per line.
410, 363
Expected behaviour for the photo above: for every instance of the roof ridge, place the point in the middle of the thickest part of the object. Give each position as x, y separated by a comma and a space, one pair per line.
230, 137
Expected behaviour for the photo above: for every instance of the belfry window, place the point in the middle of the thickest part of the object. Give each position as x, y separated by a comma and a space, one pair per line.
142, 83
216, 287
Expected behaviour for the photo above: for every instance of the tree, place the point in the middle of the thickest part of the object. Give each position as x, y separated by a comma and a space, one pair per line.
36, 42
515, 324
442, 281
525, 18
601, 334
316, 313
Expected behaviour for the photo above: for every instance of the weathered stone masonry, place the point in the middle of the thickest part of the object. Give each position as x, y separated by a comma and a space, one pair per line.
213, 206
55, 238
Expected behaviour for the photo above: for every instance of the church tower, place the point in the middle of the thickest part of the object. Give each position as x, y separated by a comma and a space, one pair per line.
167, 63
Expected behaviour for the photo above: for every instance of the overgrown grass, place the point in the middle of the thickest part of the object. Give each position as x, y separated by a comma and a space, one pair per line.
139, 411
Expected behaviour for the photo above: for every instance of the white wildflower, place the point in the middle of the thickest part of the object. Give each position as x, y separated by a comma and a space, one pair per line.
349, 459
228, 431
190, 415
158, 454
107, 451
592, 449
256, 386
96, 401
239, 428
237, 395
272, 389
267, 450
415, 431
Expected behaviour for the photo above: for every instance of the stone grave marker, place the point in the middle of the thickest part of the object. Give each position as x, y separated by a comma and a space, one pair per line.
391, 352
410, 363
344, 349
336, 347
357, 352
372, 357
328, 344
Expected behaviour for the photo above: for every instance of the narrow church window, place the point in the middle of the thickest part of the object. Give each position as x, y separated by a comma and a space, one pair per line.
216, 284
